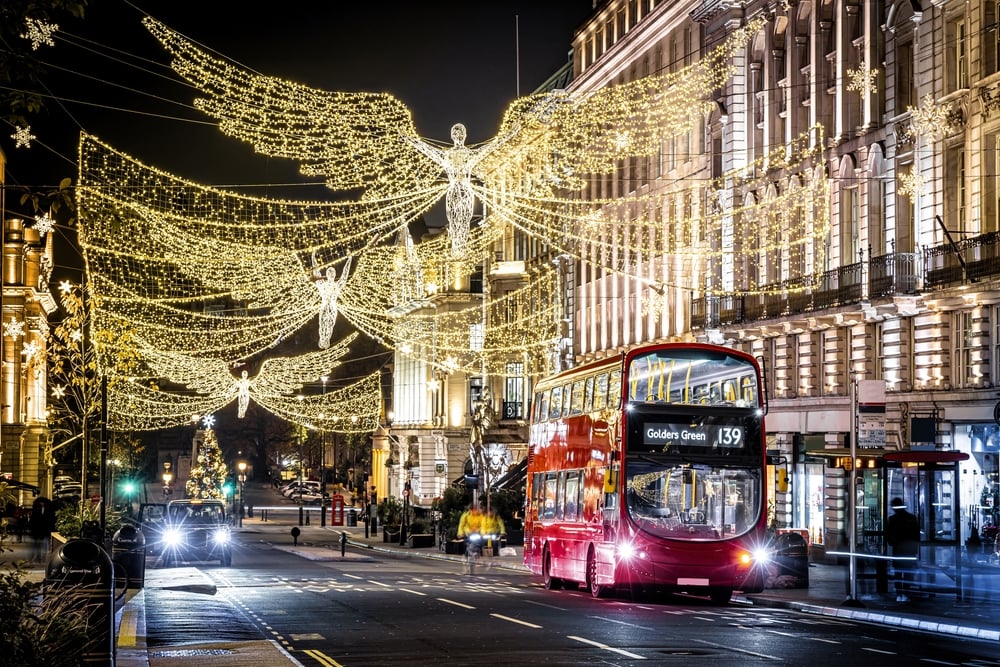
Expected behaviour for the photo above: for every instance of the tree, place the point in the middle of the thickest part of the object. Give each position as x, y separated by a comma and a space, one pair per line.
76, 362
209, 472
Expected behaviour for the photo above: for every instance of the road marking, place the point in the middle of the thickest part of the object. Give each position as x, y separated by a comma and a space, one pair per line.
457, 604
938, 662
352, 576
407, 590
542, 604
613, 620
126, 634
322, 658
606, 647
783, 634
737, 650
514, 620
379, 583
875, 650
828, 641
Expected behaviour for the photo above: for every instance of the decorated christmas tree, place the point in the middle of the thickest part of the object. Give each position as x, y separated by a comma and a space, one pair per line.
208, 472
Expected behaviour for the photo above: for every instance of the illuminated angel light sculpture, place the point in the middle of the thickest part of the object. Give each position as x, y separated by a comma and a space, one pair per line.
548, 143
330, 287
278, 376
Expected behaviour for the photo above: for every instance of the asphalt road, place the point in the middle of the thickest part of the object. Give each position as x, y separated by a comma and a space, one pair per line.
381, 609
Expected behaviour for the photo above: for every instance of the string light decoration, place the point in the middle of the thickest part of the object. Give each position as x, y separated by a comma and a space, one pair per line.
369, 141
195, 272
862, 79
23, 137
209, 471
13, 328
930, 120
39, 32
44, 224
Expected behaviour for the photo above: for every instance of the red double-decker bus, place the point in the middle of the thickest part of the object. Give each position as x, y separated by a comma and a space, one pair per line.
647, 472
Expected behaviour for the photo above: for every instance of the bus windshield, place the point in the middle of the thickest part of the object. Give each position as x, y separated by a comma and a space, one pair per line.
692, 501
692, 377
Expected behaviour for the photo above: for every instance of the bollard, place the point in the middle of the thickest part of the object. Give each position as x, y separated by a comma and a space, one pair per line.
307, 516
295, 535
343, 544
82, 571
250, 511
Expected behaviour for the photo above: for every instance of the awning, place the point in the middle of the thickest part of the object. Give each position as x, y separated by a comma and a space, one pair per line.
21, 485
927, 456
515, 476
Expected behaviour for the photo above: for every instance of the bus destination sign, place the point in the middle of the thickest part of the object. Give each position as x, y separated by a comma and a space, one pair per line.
658, 437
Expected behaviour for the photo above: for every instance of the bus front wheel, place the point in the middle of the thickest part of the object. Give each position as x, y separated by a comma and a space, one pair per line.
596, 590
551, 583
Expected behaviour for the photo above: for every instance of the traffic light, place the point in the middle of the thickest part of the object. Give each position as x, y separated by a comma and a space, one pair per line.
128, 487
781, 480
227, 489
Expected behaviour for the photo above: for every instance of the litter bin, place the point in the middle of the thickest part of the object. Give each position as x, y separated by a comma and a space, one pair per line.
128, 551
81, 574
791, 559
352, 516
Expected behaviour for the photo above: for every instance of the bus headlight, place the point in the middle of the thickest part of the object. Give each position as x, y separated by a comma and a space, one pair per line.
761, 556
626, 551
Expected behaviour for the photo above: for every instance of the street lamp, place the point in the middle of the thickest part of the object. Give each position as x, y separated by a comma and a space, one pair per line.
242, 465
322, 460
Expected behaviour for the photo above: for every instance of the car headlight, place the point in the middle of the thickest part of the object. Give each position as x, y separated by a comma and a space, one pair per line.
173, 537
221, 536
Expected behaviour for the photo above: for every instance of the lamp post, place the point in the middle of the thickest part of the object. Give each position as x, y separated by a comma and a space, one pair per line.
167, 478
242, 465
322, 461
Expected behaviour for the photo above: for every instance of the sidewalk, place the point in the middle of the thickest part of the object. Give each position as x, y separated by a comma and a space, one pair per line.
976, 615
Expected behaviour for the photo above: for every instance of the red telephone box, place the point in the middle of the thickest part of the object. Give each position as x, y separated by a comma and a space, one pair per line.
337, 510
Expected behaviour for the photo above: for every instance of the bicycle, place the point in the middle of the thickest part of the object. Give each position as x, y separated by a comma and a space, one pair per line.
474, 543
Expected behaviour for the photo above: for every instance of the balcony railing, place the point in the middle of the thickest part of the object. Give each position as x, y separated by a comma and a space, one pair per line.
967, 260
892, 274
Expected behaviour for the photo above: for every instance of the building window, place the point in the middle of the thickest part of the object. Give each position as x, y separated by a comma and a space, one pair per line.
906, 95
513, 401
991, 37
965, 365
957, 74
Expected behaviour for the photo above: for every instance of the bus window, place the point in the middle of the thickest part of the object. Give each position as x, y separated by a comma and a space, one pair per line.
549, 502
566, 400
601, 391
576, 399
572, 496
615, 390
561, 495
588, 395
543, 406
555, 403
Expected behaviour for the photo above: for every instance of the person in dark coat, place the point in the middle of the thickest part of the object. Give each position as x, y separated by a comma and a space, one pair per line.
902, 532
40, 526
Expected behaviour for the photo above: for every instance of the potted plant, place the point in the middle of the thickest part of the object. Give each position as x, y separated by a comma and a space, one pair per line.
390, 515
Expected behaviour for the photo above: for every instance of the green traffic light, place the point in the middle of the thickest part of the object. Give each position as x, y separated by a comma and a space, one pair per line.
129, 487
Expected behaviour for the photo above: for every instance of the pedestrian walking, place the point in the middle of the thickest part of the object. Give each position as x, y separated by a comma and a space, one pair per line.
902, 532
40, 527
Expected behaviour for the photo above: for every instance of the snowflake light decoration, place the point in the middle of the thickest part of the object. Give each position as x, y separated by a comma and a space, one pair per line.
208, 421
58, 391
39, 32
930, 120
13, 328
30, 350
912, 183
44, 224
862, 79
22, 137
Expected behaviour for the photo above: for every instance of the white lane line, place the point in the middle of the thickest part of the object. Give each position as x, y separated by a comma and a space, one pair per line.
379, 583
828, 641
619, 651
737, 650
515, 620
875, 650
407, 590
457, 604
614, 620
783, 634
547, 606
352, 576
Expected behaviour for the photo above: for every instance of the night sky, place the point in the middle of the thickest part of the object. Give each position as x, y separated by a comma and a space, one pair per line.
448, 61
